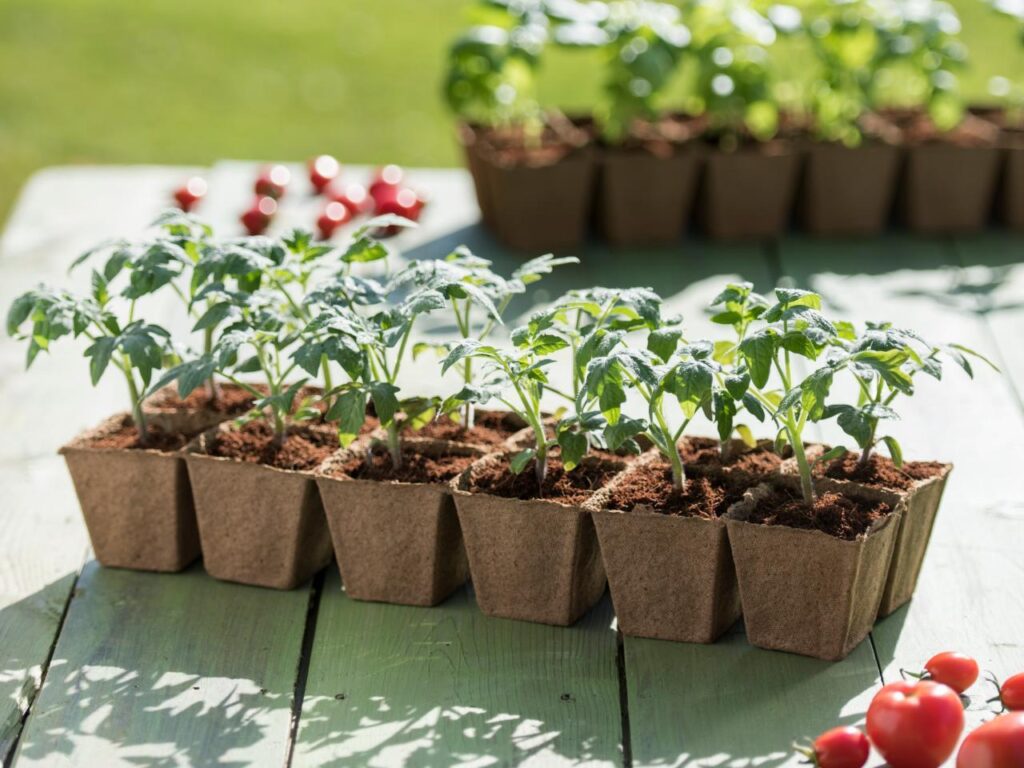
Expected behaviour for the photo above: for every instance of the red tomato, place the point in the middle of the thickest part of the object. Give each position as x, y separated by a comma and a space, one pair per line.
843, 747
272, 181
323, 169
190, 193
957, 670
1012, 692
334, 215
353, 196
998, 743
386, 182
915, 725
257, 218
405, 203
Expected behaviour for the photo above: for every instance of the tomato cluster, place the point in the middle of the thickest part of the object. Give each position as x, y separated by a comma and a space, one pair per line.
917, 724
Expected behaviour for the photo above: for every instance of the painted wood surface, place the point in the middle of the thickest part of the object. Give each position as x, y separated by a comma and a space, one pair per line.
394, 685
176, 670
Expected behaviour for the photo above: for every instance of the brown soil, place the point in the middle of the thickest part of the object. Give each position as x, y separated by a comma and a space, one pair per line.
304, 447
704, 452
880, 471
233, 400
917, 128
489, 428
127, 438
416, 467
650, 485
832, 513
510, 148
573, 487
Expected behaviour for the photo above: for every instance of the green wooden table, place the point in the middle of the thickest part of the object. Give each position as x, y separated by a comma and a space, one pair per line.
106, 668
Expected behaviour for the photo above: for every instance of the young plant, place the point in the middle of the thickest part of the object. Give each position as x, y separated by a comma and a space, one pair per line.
468, 282
884, 362
135, 347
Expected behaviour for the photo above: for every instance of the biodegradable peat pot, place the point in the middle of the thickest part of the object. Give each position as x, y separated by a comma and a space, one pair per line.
471, 140
534, 560
671, 577
646, 199
948, 189
804, 591
748, 193
540, 207
166, 410
136, 502
396, 542
258, 524
848, 190
921, 502
1010, 203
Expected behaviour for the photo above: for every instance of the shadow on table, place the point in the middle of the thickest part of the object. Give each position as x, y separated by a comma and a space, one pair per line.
394, 685
168, 669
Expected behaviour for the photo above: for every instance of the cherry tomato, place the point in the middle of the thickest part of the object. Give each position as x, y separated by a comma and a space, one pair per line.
386, 182
915, 725
353, 196
957, 670
405, 203
257, 218
843, 747
190, 193
334, 215
1011, 692
998, 743
272, 181
323, 169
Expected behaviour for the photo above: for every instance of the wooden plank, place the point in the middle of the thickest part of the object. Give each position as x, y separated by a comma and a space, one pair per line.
730, 703
963, 601
392, 685
168, 669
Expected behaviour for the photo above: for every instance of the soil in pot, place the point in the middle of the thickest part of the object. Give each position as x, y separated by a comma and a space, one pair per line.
259, 512
197, 412
748, 193
950, 177
705, 453
667, 554
136, 500
539, 190
396, 534
811, 578
646, 190
920, 484
531, 558
490, 429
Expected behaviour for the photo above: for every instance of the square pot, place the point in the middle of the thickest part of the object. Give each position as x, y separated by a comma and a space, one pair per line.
848, 190
671, 577
541, 207
395, 542
1010, 202
749, 193
534, 560
258, 524
806, 592
646, 199
470, 139
949, 189
137, 503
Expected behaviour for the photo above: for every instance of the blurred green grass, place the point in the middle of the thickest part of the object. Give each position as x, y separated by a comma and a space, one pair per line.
191, 81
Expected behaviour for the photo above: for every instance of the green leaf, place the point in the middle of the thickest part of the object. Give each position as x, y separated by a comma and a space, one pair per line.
895, 451
758, 351
385, 401
99, 356
663, 342
746, 435
19, 312
215, 315
521, 459
690, 383
737, 383
349, 411
815, 389
831, 454
797, 297
855, 423
574, 448
618, 434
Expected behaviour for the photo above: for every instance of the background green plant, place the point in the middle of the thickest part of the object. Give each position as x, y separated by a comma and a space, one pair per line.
118, 81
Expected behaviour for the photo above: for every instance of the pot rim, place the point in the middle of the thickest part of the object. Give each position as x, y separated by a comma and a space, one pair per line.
816, 449
445, 447
195, 450
79, 443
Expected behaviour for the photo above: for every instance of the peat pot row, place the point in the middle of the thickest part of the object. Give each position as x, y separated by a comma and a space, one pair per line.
681, 565
547, 197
